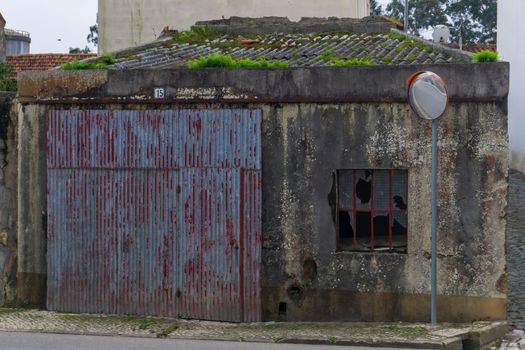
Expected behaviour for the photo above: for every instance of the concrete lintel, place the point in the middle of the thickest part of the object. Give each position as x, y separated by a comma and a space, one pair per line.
466, 82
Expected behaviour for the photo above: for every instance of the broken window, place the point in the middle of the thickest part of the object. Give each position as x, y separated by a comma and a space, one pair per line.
372, 210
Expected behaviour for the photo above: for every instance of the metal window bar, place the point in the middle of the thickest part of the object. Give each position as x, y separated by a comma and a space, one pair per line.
353, 211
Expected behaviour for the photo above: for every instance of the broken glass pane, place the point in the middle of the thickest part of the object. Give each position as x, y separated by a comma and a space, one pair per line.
363, 188
399, 189
381, 189
346, 189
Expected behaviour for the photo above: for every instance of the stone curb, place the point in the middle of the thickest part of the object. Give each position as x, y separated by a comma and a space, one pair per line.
468, 340
455, 343
486, 335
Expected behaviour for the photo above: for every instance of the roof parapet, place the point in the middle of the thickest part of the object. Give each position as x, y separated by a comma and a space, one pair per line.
265, 25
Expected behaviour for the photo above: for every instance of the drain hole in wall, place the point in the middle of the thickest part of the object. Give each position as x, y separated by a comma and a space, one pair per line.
282, 309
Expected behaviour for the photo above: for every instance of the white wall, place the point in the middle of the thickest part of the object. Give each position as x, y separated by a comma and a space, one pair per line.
511, 46
127, 23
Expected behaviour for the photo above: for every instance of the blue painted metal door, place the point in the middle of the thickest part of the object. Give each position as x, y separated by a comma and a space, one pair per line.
155, 213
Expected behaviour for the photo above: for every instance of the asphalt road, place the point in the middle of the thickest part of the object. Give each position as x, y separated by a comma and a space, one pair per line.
26, 341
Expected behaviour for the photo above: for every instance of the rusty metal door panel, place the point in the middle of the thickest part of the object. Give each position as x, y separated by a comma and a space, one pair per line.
144, 219
171, 139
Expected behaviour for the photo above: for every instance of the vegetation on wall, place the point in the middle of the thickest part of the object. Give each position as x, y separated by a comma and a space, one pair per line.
485, 56
225, 61
6, 84
103, 62
195, 34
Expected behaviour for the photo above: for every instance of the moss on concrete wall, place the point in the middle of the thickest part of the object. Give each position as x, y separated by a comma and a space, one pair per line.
303, 144
7, 200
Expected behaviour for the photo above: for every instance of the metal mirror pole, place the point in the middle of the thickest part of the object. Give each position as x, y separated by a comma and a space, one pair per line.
428, 97
434, 221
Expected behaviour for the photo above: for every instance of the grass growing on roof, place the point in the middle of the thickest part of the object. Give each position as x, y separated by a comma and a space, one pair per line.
485, 56
106, 59
386, 59
217, 60
396, 36
101, 63
195, 34
81, 65
357, 61
410, 43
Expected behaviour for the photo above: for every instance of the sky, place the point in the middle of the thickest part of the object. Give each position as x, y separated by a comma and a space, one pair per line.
54, 25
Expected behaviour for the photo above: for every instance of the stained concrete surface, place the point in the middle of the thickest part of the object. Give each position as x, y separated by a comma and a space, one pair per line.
516, 250
317, 121
412, 335
7, 199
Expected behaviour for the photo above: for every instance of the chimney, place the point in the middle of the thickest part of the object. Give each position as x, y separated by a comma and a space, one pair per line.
2, 38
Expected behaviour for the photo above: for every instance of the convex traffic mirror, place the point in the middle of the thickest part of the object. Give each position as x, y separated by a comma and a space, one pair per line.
427, 95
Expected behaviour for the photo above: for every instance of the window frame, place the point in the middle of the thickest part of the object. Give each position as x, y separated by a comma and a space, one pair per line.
390, 210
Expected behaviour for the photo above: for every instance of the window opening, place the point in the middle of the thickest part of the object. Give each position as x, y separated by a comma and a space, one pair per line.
372, 210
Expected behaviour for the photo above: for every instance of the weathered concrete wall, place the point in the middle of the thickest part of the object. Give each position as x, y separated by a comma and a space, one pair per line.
127, 23
516, 249
8, 180
315, 122
32, 205
304, 144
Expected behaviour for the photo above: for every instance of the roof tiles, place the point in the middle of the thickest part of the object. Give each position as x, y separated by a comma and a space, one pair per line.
299, 49
40, 61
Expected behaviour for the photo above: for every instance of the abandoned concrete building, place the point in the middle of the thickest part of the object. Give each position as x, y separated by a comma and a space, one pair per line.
236, 194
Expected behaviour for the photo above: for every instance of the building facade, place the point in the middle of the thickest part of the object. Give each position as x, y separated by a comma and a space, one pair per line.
511, 50
17, 42
128, 23
294, 194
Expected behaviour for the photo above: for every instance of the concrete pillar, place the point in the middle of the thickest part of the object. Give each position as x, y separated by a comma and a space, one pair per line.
32, 206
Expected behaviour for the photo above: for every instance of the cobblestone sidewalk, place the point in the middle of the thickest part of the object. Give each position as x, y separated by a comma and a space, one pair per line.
378, 334
514, 341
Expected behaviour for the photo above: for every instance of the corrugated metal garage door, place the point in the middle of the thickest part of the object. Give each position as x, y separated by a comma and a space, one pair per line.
155, 213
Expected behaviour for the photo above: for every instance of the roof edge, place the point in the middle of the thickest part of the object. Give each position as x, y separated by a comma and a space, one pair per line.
266, 25
133, 49
466, 82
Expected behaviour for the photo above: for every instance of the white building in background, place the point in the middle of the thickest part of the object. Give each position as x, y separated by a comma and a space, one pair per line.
17, 42
127, 23
512, 49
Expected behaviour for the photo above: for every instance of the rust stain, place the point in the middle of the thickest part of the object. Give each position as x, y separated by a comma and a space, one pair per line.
155, 213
